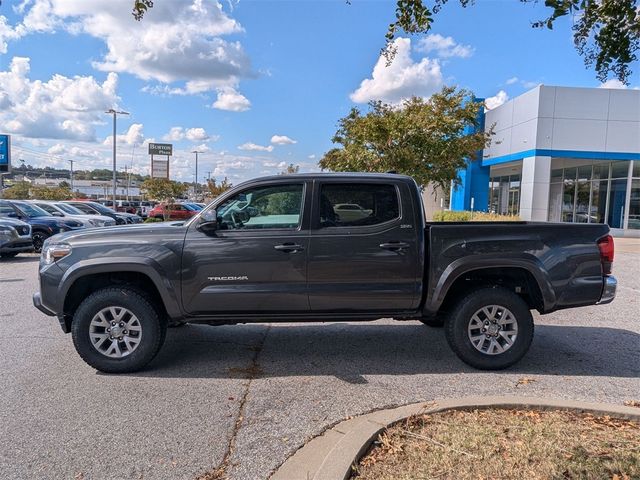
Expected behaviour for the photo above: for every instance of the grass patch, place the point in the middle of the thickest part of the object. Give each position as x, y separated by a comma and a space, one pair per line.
505, 444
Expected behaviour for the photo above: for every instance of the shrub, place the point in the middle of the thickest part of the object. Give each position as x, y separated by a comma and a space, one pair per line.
153, 220
467, 216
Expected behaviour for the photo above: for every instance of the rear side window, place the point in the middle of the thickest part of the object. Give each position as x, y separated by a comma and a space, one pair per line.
353, 204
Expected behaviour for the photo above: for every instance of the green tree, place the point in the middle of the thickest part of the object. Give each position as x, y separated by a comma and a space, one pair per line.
163, 190
18, 191
426, 139
41, 192
216, 189
291, 168
606, 33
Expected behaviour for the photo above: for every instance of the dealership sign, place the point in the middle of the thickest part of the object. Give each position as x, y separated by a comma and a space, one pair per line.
5, 153
160, 149
160, 166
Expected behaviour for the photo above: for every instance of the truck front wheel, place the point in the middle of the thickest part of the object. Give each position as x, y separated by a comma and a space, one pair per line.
490, 328
117, 330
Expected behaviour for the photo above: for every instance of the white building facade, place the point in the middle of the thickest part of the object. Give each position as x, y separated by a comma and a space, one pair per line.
563, 154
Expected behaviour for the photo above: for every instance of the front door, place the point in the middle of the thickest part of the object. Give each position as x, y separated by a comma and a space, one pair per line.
256, 261
364, 253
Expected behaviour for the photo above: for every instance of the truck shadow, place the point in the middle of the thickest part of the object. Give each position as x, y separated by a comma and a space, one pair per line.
349, 351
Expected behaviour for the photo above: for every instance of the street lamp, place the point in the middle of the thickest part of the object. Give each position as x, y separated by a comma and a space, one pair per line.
113, 112
195, 184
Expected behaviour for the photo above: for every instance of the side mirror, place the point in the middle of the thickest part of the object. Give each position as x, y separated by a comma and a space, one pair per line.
208, 221
12, 215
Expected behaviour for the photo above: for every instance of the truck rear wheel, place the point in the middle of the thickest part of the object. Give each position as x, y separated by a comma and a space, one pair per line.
490, 328
117, 330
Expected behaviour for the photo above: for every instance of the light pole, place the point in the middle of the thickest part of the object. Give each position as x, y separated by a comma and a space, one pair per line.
195, 185
113, 112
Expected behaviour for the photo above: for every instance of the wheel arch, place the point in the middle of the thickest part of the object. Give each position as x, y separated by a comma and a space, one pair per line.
81, 281
524, 278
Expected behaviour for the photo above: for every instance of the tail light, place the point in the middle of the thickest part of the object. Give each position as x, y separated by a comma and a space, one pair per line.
605, 245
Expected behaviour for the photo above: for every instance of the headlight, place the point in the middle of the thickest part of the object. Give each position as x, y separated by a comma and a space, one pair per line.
53, 252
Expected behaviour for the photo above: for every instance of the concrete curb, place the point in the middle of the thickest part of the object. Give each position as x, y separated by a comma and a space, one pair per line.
329, 456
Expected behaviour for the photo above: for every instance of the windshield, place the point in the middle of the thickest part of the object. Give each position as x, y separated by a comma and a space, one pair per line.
68, 209
101, 208
32, 211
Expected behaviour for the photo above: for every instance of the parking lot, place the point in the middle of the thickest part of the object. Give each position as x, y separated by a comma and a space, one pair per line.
248, 396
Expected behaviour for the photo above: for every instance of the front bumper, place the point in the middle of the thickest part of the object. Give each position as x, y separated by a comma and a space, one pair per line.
37, 302
608, 290
17, 246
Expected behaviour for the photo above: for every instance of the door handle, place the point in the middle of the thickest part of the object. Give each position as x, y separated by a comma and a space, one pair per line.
394, 246
289, 247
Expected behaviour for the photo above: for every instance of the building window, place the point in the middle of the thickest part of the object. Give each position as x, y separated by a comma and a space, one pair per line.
596, 192
504, 194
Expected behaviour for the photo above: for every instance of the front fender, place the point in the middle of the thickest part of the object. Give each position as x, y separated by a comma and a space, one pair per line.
168, 288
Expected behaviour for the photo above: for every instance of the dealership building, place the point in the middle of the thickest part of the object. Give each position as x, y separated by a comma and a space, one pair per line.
560, 154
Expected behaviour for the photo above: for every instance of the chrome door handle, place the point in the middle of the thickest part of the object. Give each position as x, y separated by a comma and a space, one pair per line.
289, 247
394, 246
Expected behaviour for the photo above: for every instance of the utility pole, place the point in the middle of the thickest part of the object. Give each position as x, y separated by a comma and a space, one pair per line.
71, 174
195, 184
126, 176
113, 112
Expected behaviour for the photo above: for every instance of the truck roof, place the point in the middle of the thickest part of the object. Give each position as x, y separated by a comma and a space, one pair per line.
337, 175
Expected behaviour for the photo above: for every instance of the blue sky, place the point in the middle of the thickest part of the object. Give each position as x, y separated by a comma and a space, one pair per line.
253, 84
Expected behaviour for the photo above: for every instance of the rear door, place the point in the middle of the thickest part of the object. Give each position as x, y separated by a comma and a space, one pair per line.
363, 254
256, 262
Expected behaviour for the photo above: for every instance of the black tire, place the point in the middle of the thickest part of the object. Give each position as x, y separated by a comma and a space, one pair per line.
153, 328
458, 334
434, 322
38, 238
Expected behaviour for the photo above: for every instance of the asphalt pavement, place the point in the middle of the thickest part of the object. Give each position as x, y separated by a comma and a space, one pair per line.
245, 397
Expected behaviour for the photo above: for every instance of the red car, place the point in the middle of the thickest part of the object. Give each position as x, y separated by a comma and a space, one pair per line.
172, 211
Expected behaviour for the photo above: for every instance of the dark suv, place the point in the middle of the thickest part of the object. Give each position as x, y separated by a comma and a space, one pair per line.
42, 224
95, 208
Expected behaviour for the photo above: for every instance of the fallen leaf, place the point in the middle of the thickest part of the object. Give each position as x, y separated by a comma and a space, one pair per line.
524, 381
632, 403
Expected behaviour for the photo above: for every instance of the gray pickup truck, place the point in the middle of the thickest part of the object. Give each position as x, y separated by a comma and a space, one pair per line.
321, 247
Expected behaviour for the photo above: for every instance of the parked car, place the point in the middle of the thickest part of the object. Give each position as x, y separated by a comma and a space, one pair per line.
15, 237
295, 260
144, 208
350, 211
60, 209
42, 224
123, 206
95, 208
195, 206
173, 211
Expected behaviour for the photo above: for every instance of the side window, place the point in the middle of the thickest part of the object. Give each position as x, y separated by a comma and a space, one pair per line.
273, 206
5, 209
351, 204
47, 208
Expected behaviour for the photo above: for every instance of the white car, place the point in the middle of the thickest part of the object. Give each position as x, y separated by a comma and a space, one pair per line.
60, 209
351, 212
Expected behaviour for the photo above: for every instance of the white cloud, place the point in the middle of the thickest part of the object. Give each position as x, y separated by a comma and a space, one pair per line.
202, 148
175, 135
133, 136
311, 157
402, 79
512, 80
232, 100
497, 100
178, 41
254, 147
613, 83
444, 47
60, 107
197, 135
282, 140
